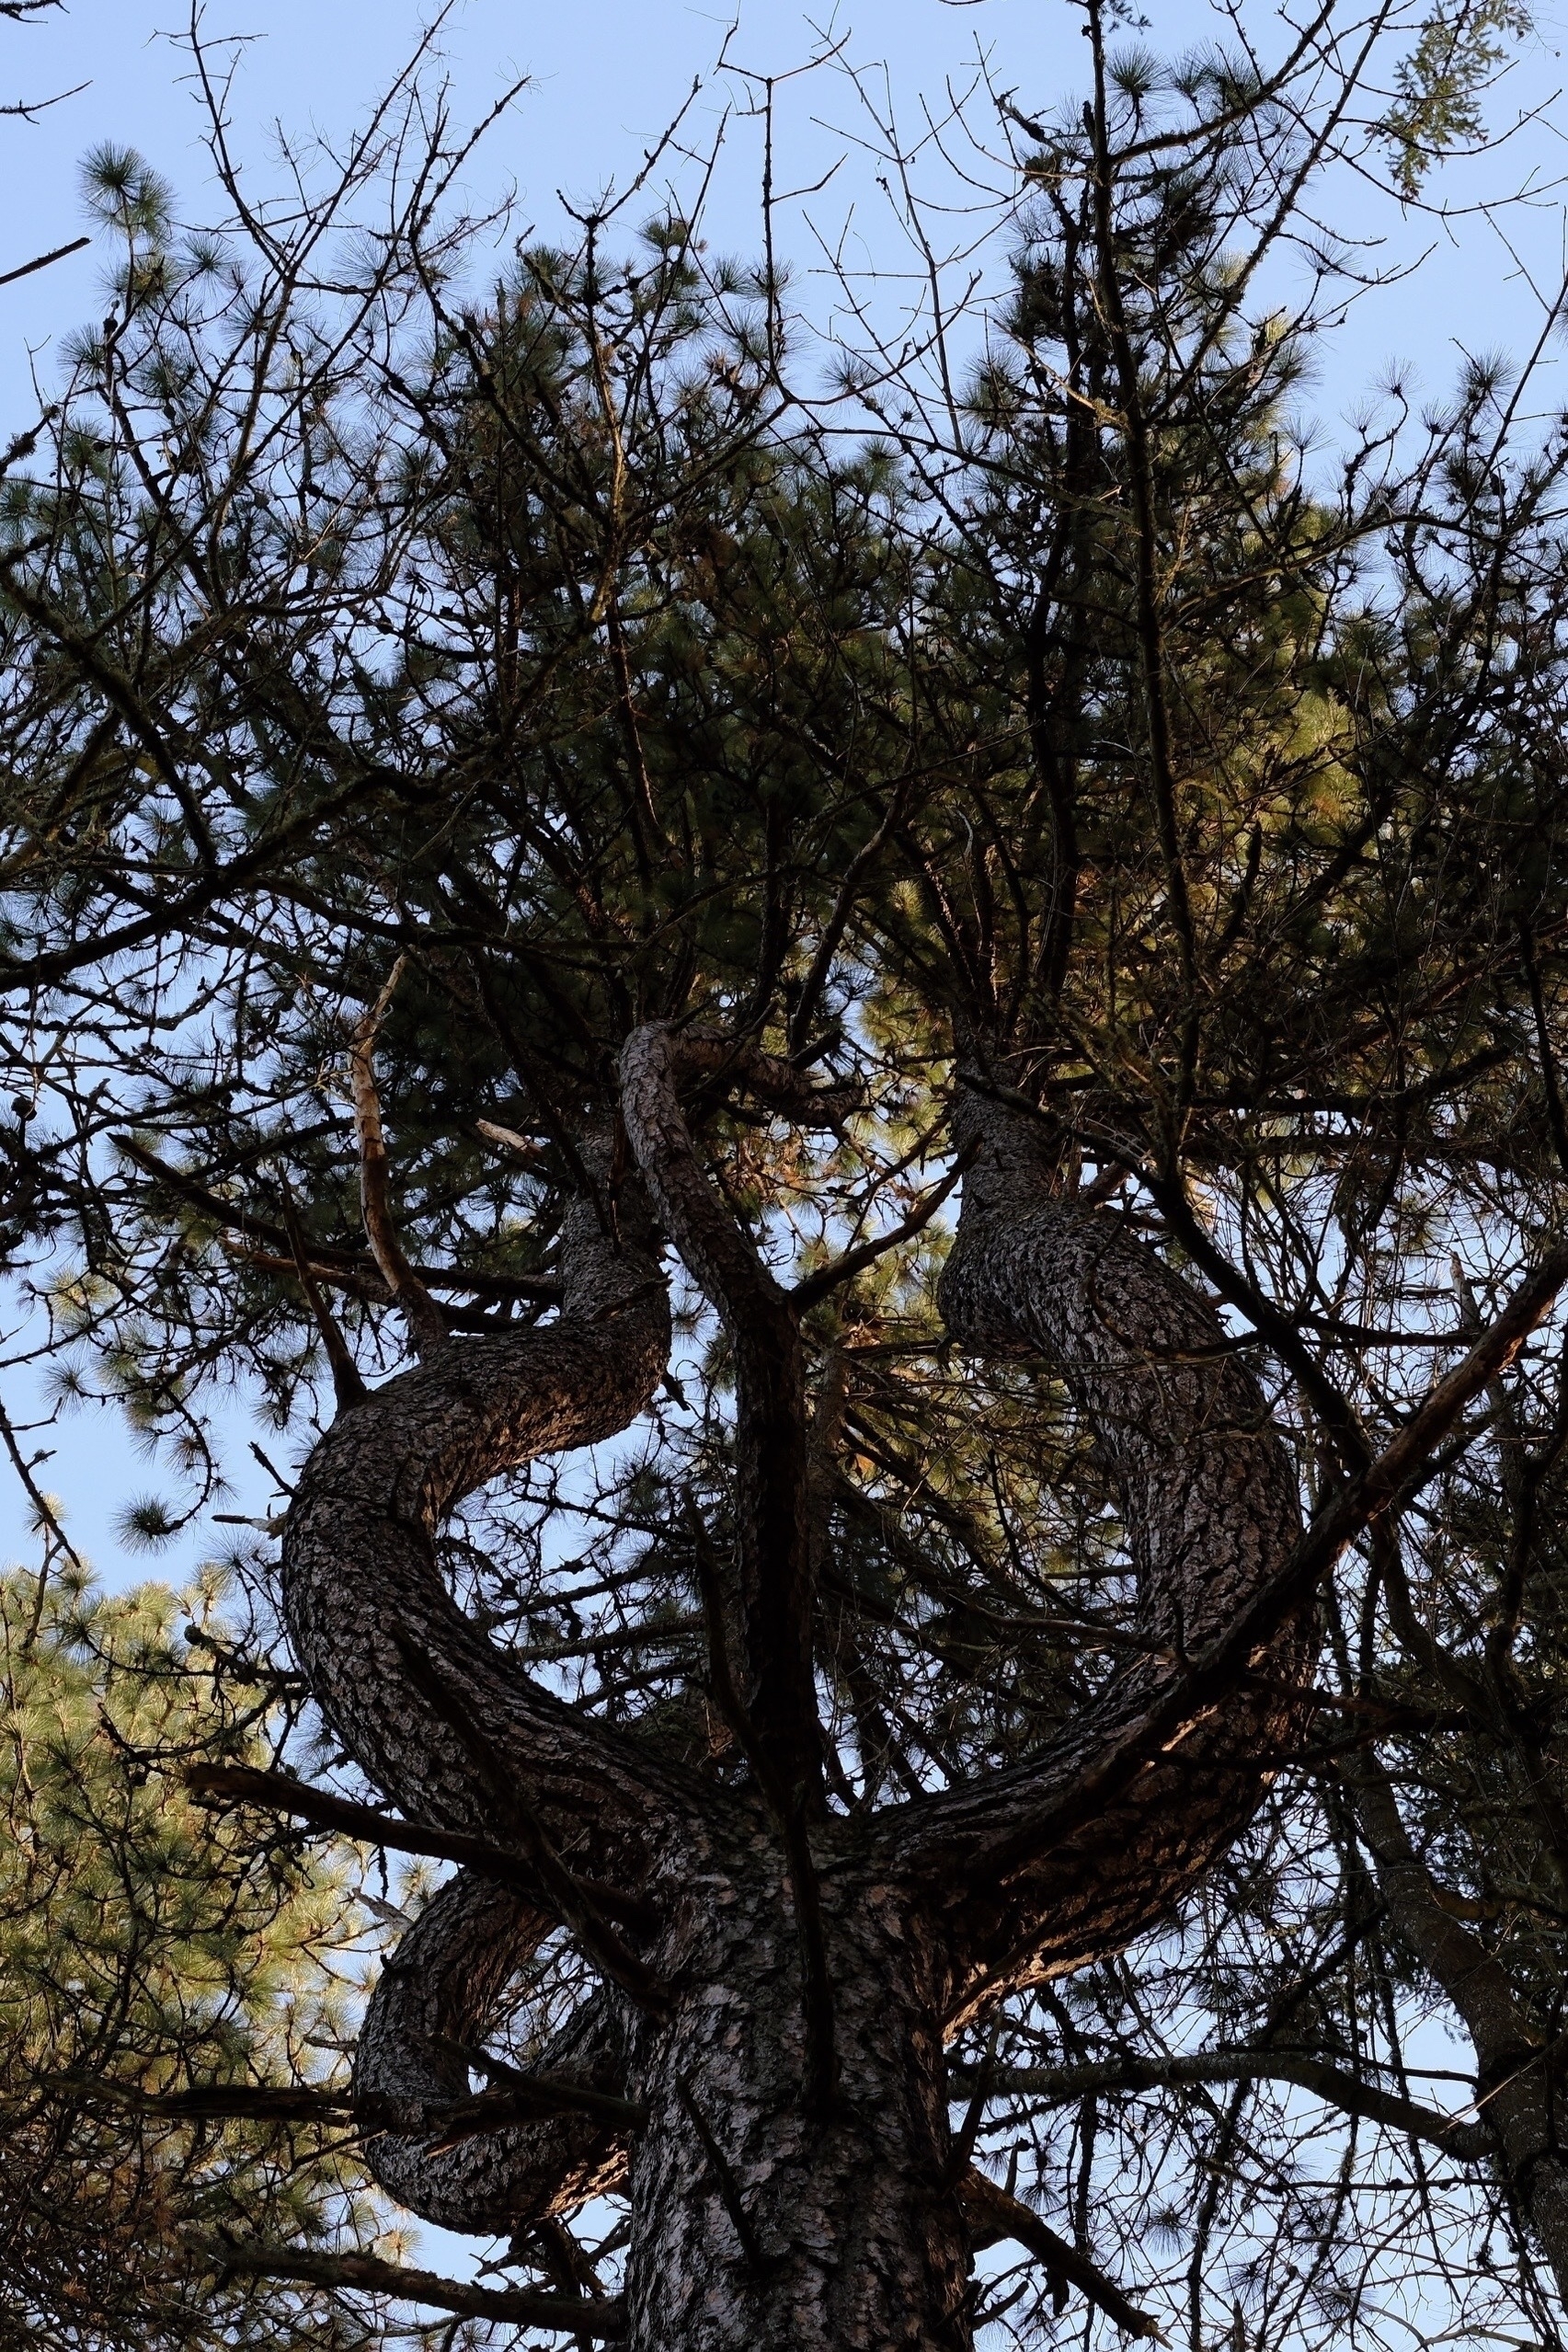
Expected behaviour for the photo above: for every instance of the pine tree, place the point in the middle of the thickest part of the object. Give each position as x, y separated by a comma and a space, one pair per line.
891, 1100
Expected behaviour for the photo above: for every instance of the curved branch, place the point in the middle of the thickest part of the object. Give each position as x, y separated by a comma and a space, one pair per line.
366, 1604
434, 2000
1212, 1513
1065, 1857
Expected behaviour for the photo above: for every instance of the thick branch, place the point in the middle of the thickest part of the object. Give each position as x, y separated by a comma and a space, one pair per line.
993, 2215
1063, 2084
1092, 1838
364, 1593
370, 2274
1210, 1509
459, 2161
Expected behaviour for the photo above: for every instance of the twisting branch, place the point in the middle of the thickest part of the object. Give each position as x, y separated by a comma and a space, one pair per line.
564, 1894
359, 1559
1213, 1518
533, 2144
1211, 1500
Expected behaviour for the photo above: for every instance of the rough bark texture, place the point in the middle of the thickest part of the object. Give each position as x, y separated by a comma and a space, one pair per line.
1211, 1511
756, 2222
391, 1657
434, 2004
779, 2203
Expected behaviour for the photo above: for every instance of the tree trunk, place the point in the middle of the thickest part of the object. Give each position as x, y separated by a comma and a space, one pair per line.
757, 2225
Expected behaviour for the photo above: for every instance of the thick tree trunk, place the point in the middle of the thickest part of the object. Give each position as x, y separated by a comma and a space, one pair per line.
757, 2225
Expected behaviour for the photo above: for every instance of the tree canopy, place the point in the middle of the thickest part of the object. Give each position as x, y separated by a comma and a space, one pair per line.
861, 1048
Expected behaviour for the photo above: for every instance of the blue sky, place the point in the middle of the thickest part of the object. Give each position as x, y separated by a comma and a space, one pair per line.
605, 77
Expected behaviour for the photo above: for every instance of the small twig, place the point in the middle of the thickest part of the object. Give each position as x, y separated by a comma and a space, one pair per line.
345, 1269
524, 2095
426, 1326
60, 252
564, 2313
347, 1383
806, 1292
992, 2214
517, 2096
49, 1520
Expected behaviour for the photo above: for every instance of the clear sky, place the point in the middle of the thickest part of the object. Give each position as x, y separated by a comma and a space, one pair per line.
605, 77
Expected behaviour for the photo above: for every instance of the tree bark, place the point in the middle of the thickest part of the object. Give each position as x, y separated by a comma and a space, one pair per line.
758, 2222
1212, 1513
433, 2005
421, 1699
